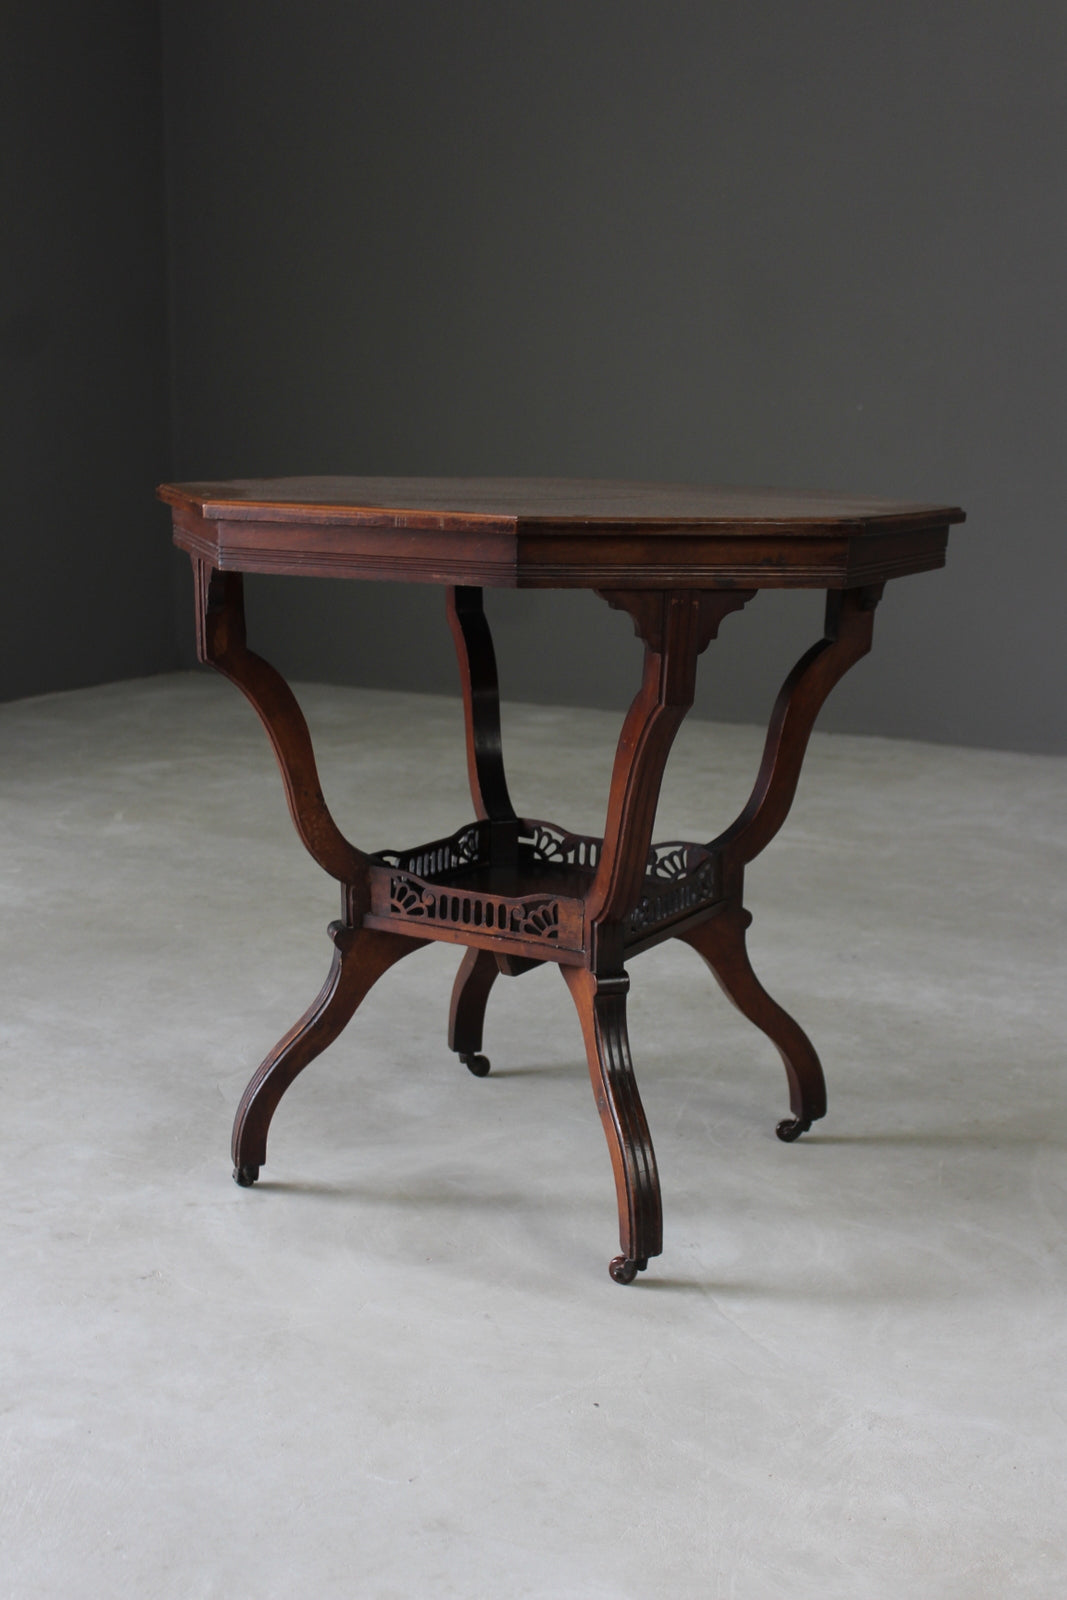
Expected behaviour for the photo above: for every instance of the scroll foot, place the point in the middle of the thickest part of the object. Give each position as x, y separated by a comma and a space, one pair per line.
244, 1177
360, 957
790, 1129
624, 1269
721, 942
479, 1065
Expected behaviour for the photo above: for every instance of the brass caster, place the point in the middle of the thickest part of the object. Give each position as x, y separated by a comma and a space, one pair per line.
246, 1176
624, 1269
791, 1128
479, 1065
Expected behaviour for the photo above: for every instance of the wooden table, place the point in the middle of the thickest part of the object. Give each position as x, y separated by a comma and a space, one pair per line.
513, 891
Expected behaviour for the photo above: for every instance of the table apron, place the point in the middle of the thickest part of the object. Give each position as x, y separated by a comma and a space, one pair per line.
514, 559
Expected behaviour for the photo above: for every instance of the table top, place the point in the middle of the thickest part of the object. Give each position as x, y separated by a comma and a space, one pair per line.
556, 532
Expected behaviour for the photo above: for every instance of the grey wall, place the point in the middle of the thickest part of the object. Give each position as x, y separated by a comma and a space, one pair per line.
84, 570
798, 244
815, 244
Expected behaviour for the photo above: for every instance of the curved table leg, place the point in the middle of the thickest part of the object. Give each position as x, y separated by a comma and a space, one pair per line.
492, 803
601, 1004
721, 942
477, 973
481, 704
360, 957
676, 626
846, 639
221, 642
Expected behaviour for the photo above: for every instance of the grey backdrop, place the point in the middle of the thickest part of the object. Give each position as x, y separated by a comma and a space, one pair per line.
818, 244
85, 578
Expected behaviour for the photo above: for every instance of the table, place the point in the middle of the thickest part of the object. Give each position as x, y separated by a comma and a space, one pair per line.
514, 891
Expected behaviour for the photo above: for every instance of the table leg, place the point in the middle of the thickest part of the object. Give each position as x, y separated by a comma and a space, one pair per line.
601, 1004
489, 791
221, 642
481, 704
360, 957
721, 942
478, 971
721, 939
846, 639
675, 626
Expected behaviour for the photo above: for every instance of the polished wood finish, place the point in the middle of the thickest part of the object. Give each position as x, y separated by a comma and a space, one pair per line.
481, 705
512, 891
847, 637
478, 971
221, 640
536, 533
720, 939
360, 957
601, 1002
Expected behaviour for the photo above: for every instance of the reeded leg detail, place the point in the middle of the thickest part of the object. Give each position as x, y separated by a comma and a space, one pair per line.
601, 1004
360, 957
478, 971
721, 942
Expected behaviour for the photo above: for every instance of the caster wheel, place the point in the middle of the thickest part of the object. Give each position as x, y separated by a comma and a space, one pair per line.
624, 1269
479, 1065
791, 1128
245, 1177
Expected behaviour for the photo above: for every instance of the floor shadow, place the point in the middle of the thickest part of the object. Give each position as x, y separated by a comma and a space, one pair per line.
879, 1289
422, 1198
974, 1138
678, 1285
566, 1070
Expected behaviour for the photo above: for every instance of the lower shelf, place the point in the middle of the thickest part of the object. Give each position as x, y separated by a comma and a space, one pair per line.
525, 885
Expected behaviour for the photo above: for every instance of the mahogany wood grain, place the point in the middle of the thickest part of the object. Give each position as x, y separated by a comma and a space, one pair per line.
360, 957
721, 942
675, 627
516, 892
847, 638
555, 533
221, 642
481, 704
452, 505
478, 971
601, 1004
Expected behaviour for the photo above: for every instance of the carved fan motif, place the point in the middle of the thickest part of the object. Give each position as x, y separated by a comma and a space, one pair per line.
542, 920
410, 899
548, 843
689, 877
669, 860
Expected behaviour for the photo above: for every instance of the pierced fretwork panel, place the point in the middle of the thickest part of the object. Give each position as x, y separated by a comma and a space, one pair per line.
680, 877
441, 855
548, 843
685, 877
538, 916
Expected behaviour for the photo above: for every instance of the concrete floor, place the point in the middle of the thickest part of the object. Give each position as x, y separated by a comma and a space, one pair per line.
398, 1368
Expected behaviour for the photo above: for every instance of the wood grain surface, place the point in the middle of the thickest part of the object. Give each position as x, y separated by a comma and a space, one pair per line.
555, 532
